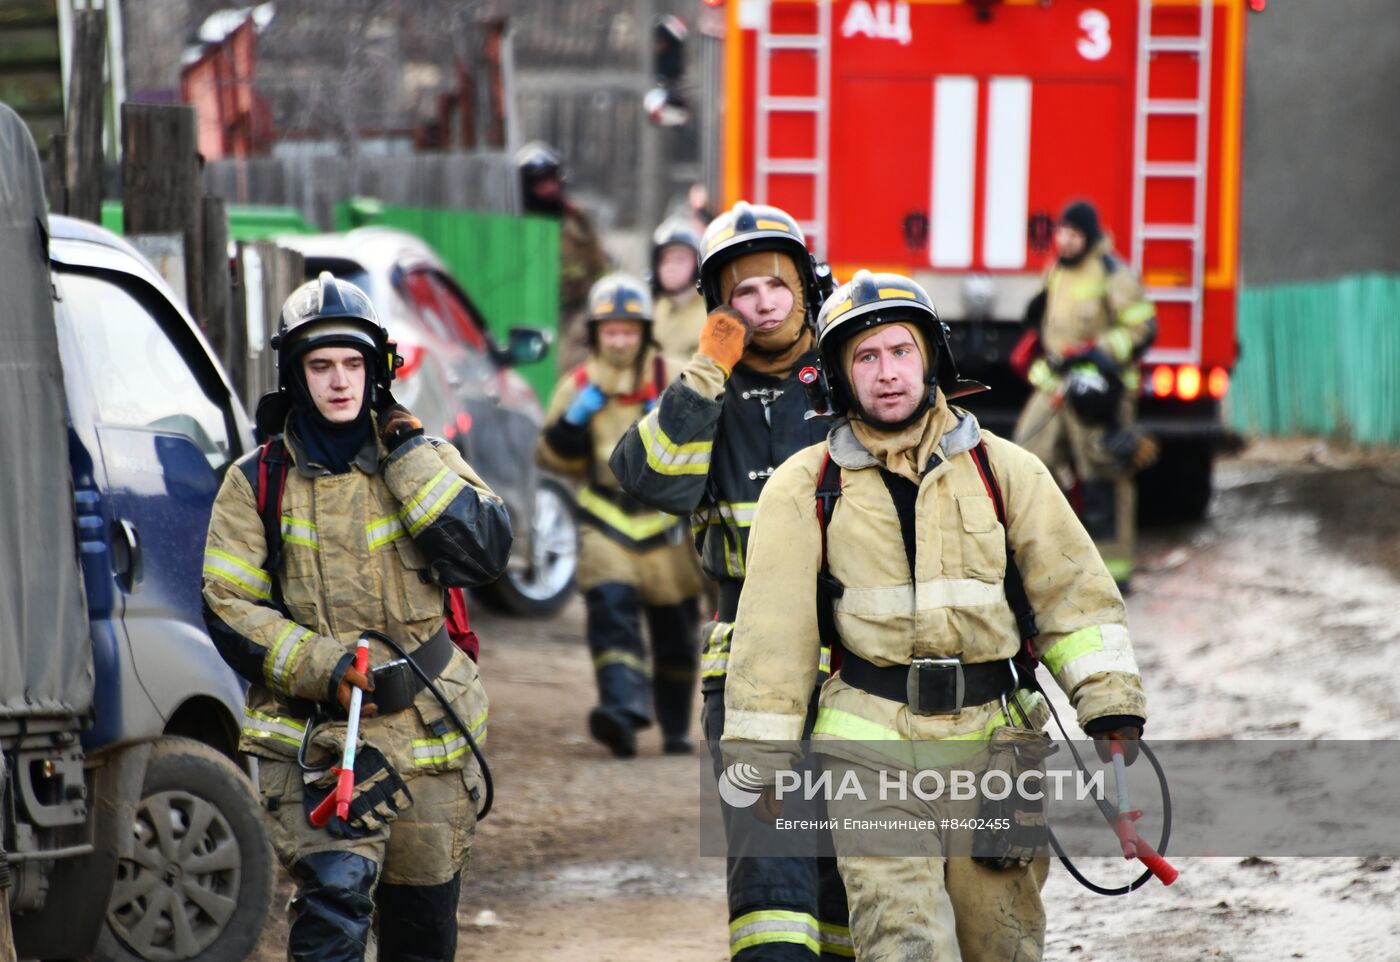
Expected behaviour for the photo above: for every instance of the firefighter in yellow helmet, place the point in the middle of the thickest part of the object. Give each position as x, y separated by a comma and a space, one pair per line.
634, 561
675, 272
349, 521
1095, 325
887, 537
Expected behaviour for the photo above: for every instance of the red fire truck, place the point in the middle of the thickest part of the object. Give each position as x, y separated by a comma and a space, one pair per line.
941, 138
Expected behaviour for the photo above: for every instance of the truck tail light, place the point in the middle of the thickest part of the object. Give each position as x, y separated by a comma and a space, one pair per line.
1163, 380
1188, 382
1218, 383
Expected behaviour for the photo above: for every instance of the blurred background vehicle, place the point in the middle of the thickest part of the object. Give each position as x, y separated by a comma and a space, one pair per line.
463, 386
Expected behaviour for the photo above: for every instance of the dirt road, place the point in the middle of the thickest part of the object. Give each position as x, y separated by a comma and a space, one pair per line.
1277, 618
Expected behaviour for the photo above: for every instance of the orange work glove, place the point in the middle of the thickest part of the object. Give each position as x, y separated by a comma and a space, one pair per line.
358, 679
723, 337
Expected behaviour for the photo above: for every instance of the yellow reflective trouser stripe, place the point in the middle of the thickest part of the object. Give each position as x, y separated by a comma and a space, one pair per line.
445, 748
282, 658
762, 928
664, 456
300, 531
289, 731
381, 531
606, 658
436, 494
1120, 343
1135, 314
836, 940
238, 573
637, 527
1120, 568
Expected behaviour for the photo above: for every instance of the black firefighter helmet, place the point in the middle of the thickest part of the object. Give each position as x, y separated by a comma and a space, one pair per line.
327, 312
751, 228
869, 300
618, 297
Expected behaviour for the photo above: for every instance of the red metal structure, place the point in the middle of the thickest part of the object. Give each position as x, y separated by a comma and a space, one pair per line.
940, 138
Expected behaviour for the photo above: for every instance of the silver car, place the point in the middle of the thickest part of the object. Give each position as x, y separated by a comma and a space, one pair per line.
462, 385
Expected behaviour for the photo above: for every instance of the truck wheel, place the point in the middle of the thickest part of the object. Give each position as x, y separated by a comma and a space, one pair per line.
199, 879
1178, 487
546, 586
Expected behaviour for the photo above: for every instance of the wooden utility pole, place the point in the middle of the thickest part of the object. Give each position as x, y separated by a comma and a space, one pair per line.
161, 191
86, 89
56, 173
216, 280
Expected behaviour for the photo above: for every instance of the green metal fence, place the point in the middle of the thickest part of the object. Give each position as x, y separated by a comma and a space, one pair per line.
508, 265
1321, 359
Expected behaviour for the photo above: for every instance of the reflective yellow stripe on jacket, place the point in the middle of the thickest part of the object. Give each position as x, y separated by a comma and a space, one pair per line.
237, 572
664, 456
277, 728
638, 527
1087, 651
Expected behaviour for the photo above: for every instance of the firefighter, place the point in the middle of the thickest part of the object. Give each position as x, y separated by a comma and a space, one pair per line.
736, 412
373, 520
917, 584
582, 259
1095, 324
632, 559
675, 268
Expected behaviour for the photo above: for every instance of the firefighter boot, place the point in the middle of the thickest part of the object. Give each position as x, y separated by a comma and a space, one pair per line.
418, 923
333, 907
674, 633
615, 640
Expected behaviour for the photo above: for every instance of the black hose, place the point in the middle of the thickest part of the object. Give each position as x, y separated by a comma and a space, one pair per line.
487, 783
1141, 880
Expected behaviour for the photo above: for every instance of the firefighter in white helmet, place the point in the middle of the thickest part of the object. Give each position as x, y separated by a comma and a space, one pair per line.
1094, 325
909, 571
675, 271
634, 561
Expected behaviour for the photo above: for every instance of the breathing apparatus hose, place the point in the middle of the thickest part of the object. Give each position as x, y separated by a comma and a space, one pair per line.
1137, 883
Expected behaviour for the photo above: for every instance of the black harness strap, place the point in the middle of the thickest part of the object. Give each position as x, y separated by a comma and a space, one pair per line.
828, 588
272, 465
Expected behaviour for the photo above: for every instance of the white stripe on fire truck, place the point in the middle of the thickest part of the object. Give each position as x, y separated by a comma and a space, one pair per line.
954, 170
1008, 172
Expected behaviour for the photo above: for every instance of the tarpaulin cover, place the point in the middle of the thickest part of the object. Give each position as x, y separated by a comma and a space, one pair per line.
45, 652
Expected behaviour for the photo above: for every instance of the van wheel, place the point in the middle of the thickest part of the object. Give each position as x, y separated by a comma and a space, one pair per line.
199, 878
546, 586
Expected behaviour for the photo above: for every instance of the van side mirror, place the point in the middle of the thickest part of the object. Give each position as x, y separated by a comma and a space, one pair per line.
526, 345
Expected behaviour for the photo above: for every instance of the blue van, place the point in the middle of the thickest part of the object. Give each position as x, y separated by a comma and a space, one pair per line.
129, 831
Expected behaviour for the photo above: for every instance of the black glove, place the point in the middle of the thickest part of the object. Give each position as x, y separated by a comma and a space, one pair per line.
380, 794
1116, 728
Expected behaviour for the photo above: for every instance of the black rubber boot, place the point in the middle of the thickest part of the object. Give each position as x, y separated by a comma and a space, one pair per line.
619, 663
418, 923
333, 907
675, 646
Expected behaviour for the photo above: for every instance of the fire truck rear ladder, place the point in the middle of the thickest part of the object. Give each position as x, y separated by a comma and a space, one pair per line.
815, 168
1146, 169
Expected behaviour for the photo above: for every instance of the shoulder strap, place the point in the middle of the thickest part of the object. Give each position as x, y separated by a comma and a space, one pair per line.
658, 376
828, 588
1015, 585
272, 481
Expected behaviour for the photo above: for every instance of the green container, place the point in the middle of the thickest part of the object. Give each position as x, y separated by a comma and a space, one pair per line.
1320, 359
246, 222
508, 265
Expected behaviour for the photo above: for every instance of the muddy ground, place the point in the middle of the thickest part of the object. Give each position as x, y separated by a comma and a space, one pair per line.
1277, 618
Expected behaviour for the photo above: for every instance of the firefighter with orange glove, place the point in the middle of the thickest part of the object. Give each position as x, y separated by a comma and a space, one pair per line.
736, 413
634, 561
1095, 324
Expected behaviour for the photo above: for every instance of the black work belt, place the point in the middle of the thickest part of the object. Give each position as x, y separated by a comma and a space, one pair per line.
729, 590
396, 684
931, 686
